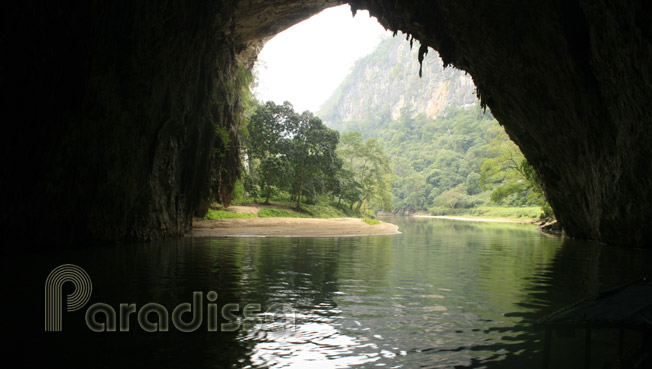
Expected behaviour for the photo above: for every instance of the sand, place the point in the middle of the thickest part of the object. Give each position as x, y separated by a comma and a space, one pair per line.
290, 227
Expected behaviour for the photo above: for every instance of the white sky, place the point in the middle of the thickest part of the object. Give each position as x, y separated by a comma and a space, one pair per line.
305, 63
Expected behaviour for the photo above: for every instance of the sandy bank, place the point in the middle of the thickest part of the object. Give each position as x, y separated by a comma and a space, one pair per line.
495, 220
290, 227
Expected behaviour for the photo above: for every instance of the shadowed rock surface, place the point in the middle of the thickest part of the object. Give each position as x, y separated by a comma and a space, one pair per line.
123, 117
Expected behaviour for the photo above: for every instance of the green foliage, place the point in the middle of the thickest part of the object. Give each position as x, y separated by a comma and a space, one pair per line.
222, 141
251, 188
269, 127
450, 161
433, 156
371, 221
225, 214
273, 171
281, 213
483, 211
366, 176
473, 183
324, 209
311, 154
453, 198
238, 191
460, 161
547, 211
290, 152
511, 178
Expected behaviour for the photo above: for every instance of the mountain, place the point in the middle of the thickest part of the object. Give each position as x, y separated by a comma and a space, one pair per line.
387, 81
448, 154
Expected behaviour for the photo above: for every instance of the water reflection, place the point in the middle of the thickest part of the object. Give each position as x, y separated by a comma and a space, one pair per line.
442, 294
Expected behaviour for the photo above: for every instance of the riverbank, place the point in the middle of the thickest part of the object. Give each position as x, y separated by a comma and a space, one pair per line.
276, 220
477, 219
290, 227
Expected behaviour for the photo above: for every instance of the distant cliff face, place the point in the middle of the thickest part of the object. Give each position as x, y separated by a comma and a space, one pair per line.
387, 80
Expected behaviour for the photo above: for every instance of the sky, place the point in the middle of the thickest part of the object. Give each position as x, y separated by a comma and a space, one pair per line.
305, 63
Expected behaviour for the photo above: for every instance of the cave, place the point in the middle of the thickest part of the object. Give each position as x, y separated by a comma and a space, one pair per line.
122, 118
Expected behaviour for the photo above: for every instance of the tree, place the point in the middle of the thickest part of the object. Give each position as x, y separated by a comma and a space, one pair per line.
311, 151
251, 188
508, 173
454, 198
272, 171
370, 168
269, 128
347, 187
473, 183
291, 151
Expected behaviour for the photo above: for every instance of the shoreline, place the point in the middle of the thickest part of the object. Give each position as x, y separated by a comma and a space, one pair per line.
290, 227
472, 219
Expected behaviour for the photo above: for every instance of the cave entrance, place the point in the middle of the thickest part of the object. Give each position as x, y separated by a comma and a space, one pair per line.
356, 77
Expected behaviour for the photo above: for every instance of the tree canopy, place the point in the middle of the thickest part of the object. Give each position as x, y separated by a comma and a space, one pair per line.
368, 172
290, 151
461, 159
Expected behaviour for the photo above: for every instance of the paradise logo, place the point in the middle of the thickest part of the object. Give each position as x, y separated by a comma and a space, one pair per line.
277, 316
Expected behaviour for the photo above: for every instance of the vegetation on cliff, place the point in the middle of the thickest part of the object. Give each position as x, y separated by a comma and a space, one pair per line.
453, 158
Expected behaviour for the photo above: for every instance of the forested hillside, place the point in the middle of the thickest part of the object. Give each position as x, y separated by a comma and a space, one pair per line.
449, 156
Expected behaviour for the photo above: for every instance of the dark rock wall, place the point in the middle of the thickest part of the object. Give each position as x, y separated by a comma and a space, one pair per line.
571, 81
122, 118
114, 108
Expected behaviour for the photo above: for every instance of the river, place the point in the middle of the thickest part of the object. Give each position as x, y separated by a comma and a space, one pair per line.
443, 294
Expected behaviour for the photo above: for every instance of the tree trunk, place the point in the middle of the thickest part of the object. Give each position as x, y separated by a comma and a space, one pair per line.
357, 209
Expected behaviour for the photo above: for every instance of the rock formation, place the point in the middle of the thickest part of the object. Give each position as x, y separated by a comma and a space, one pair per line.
388, 80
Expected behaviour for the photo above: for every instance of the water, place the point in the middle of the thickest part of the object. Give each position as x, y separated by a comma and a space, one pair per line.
444, 294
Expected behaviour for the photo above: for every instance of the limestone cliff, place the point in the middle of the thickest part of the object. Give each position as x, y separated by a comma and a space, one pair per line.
387, 80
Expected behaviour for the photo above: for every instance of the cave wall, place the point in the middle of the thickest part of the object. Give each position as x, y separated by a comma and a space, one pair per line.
114, 112
122, 118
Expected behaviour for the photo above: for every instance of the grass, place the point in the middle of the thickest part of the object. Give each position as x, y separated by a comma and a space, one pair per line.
225, 214
371, 221
529, 212
322, 209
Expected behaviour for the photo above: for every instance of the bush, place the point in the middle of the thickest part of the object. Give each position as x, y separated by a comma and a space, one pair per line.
371, 221
280, 213
324, 210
